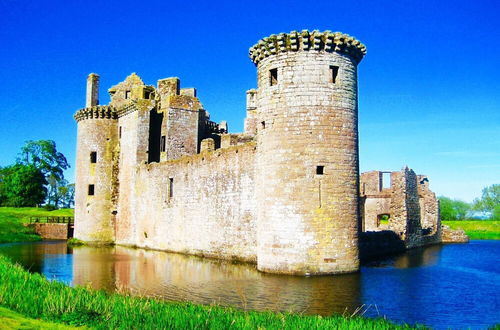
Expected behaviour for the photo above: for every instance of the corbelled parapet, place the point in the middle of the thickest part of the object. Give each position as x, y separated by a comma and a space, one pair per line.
96, 112
295, 41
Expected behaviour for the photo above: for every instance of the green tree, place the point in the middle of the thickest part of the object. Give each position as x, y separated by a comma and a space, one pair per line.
453, 209
67, 193
43, 155
489, 201
23, 185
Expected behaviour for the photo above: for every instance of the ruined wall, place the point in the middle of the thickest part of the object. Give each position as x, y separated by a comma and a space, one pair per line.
202, 204
307, 155
97, 132
411, 205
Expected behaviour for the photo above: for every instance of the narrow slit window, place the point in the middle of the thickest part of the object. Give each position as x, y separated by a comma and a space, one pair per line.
263, 124
93, 157
91, 190
334, 71
170, 188
120, 132
320, 170
127, 94
163, 143
273, 77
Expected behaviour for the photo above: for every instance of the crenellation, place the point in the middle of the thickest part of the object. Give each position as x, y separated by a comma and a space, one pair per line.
285, 194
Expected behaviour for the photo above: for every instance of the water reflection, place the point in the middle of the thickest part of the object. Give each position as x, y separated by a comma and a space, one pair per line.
186, 278
425, 285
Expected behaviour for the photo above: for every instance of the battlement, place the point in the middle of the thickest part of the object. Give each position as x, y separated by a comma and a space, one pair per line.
96, 112
304, 41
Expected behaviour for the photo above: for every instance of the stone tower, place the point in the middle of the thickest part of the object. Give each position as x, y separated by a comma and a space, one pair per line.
95, 160
307, 152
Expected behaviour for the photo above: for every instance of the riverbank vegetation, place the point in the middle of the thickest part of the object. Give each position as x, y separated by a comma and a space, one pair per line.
486, 207
34, 296
13, 218
13, 320
477, 229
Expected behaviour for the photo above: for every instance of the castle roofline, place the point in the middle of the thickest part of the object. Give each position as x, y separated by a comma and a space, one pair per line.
303, 41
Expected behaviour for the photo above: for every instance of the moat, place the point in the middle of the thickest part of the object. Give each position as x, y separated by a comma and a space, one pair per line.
440, 286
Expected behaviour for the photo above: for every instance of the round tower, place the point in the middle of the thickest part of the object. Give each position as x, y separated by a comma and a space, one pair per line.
307, 172
96, 163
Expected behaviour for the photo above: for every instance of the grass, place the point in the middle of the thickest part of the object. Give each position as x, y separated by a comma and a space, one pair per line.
34, 296
13, 320
477, 229
12, 219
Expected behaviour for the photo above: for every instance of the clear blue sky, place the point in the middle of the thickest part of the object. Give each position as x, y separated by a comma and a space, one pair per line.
429, 93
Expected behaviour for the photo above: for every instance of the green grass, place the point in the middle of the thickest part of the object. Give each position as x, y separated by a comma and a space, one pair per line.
12, 219
34, 296
477, 229
13, 320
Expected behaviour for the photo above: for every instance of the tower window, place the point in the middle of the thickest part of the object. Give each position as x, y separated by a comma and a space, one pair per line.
273, 77
91, 189
263, 124
127, 94
334, 71
93, 157
120, 132
320, 170
170, 188
163, 143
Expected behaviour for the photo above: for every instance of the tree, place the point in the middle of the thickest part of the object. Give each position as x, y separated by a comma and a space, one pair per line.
43, 155
453, 209
23, 185
60, 192
490, 199
67, 195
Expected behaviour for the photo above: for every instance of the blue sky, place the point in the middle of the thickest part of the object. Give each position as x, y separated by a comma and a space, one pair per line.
429, 93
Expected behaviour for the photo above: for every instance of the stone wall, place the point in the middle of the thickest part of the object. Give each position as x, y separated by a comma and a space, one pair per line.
52, 230
202, 204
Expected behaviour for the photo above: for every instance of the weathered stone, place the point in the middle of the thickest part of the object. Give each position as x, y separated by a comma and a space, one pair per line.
454, 235
285, 194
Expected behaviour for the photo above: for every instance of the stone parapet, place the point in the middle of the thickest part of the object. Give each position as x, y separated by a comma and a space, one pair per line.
96, 112
320, 41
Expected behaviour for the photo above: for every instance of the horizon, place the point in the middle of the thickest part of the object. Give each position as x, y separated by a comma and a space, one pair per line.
428, 92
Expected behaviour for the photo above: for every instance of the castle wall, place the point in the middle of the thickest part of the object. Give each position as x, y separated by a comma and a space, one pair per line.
182, 132
209, 208
307, 222
134, 129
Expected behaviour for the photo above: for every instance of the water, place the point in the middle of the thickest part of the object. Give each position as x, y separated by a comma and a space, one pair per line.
445, 286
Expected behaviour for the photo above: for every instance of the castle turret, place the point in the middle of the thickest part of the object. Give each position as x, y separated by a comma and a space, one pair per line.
92, 90
307, 152
96, 162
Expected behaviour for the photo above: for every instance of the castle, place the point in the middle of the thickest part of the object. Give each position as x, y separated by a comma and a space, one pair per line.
154, 171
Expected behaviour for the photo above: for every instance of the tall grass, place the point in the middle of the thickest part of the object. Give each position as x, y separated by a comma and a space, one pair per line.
477, 229
12, 220
34, 296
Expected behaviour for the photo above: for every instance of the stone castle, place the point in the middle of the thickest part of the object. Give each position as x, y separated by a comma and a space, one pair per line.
154, 171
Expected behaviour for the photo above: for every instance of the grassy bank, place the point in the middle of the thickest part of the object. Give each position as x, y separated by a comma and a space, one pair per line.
13, 320
12, 219
35, 297
477, 229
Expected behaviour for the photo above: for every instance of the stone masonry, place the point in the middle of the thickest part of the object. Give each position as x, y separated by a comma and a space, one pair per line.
154, 171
